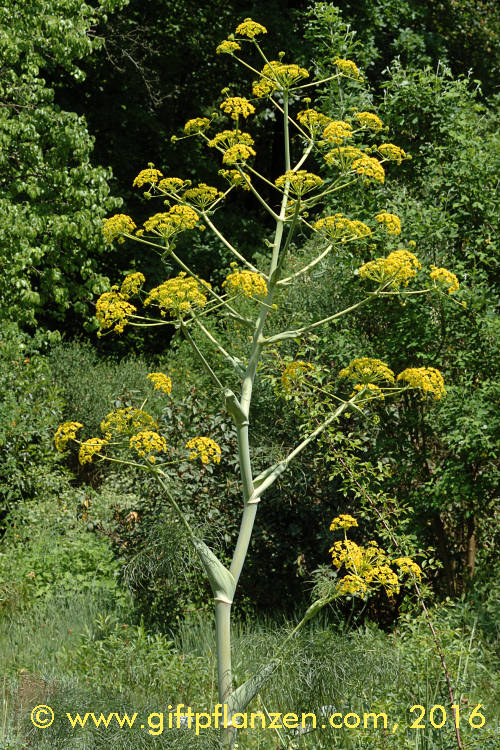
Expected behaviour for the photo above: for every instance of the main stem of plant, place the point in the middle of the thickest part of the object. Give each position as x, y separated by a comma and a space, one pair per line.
241, 418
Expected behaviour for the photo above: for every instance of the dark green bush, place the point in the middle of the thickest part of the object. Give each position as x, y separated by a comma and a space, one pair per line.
31, 407
51, 550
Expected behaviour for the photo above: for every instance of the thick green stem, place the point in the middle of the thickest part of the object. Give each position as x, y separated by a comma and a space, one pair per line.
242, 423
224, 672
223, 636
249, 512
240, 412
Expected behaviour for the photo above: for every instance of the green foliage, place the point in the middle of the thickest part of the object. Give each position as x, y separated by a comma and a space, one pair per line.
475, 26
51, 32
30, 413
115, 650
47, 551
92, 386
51, 198
129, 669
416, 32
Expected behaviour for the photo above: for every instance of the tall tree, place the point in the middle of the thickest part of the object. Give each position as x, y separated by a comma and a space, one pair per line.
51, 197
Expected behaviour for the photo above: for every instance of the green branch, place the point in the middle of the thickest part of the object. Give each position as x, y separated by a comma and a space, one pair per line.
270, 475
318, 259
201, 357
300, 331
229, 246
235, 362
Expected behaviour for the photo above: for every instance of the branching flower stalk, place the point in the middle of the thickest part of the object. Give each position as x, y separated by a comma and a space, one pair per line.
186, 299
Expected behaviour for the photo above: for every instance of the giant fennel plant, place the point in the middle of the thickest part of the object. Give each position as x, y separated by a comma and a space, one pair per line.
249, 298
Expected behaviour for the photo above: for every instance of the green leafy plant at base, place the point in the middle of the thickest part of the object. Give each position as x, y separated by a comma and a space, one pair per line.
64, 557
31, 406
356, 150
363, 670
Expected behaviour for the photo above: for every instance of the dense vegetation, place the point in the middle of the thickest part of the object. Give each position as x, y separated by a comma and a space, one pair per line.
101, 600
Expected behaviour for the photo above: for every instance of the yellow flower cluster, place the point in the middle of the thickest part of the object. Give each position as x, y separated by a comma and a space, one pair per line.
227, 47
343, 156
204, 448
177, 296
117, 225
237, 154
113, 310
339, 226
235, 178
446, 278
250, 29
312, 119
248, 283
160, 381
369, 167
202, 195
171, 184
427, 379
369, 120
293, 373
408, 566
369, 566
64, 433
371, 391
263, 87
337, 131
126, 421
383, 575
278, 76
396, 269
236, 106
131, 284
176, 219
89, 449
353, 585
344, 521
367, 370
147, 443
392, 152
147, 177
227, 138
347, 67
347, 553
196, 125
391, 222
300, 182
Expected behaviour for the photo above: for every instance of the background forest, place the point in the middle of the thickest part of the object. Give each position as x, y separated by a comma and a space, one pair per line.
101, 602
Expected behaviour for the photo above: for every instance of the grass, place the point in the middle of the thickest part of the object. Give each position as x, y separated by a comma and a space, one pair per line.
82, 654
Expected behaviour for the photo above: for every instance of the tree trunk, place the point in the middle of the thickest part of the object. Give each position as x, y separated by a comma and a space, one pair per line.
442, 544
471, 546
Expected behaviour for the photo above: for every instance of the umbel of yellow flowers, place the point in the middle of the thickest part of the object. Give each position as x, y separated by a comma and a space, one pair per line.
368, 568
